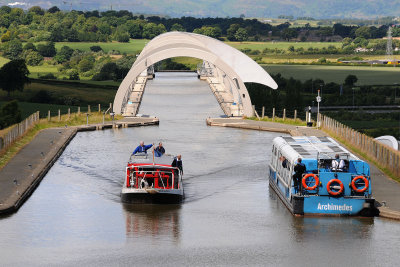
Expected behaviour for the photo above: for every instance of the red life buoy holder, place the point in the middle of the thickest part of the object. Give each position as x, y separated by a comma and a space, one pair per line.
306, 182
334, 193
359, 190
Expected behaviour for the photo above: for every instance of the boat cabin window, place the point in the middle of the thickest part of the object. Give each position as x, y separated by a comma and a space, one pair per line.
274, 158
284, 168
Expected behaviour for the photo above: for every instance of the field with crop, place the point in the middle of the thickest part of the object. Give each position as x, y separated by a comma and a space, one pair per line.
365, 75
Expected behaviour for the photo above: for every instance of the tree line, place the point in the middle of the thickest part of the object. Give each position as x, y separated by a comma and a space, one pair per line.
37, 25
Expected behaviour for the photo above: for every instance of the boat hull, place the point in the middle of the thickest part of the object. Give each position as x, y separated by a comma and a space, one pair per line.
313, 205
141, 196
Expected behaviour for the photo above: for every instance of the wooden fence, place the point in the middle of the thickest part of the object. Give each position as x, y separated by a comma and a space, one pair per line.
385, 156
18, 130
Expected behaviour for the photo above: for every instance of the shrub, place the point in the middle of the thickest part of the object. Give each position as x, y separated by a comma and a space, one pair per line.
10, 114
85, 65
47, 50
96, 48
48, 76
33, 58
13, 50
30, 46
74, 75
42, 96
123, 37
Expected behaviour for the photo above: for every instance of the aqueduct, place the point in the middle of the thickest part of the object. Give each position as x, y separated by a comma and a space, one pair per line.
225, 68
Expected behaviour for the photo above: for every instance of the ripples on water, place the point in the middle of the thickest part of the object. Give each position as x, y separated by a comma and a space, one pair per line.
229, 217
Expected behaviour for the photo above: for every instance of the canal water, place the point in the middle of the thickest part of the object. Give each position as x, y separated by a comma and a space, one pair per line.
230, 215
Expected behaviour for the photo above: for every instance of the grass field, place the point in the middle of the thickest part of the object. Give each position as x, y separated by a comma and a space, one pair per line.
68, 92
43, 69
308, 59
3, 61
35, 70
99, 83
365, 75
188, 61
281, 45
134, 46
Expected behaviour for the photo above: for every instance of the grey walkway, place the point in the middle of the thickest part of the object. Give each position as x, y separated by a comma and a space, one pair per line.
23, 173
385, 190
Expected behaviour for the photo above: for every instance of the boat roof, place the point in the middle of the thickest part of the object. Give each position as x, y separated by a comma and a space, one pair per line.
143, 158
311, 147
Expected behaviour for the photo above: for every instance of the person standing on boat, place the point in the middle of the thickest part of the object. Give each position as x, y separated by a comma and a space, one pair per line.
177, 163
142, 148
299, 169
160, 150
337, 163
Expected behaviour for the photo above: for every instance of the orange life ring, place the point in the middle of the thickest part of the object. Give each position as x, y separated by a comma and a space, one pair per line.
359, 190
333, 193
307, 187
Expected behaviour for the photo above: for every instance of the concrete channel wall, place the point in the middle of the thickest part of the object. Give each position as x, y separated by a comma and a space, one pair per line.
21, 176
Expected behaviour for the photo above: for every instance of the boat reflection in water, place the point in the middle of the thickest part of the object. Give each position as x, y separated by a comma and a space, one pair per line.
333, 228
152, 220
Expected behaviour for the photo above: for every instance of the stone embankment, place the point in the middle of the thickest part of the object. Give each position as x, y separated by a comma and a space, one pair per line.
23, 173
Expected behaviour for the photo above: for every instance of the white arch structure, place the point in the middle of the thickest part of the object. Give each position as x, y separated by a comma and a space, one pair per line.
233, 64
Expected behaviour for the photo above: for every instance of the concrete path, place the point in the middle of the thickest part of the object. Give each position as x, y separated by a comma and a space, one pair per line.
20, 177
385, 190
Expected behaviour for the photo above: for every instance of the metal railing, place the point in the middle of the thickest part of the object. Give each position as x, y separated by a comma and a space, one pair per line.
283, 113
135, 180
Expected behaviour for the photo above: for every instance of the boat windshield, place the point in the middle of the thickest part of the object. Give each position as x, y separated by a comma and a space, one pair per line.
139, 155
